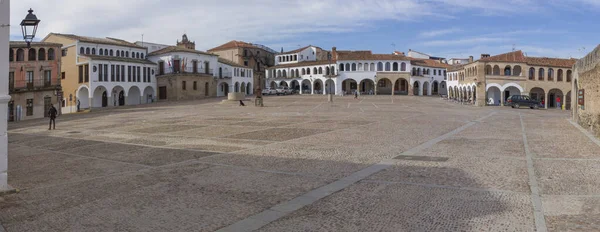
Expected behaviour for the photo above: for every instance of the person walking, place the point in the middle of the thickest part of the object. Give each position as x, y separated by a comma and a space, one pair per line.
558, 102
52, 114
242, 103
78, 104
356, 94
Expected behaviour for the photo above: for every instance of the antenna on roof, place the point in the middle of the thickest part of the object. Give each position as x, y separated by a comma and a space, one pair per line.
394, 45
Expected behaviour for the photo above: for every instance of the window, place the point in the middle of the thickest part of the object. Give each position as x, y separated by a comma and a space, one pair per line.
63, 75
381, 83
29, 79
111, 52
387, 66
42, 54
87, 51
183, 85
541, 74
63, 53
31, 55
117, 53
128, 73
106, 72
101, 51
122, 73
47, 78
195, 86
81, 51
118, 73
112, 72
139, 74
531, 73
341, 67
93, 51
379, 66
142, 55
51, 54
246, 63
20, 55
80, 73
395, 66
11, 55
29, 107
144, 77
133, 75
126, 53
122, 54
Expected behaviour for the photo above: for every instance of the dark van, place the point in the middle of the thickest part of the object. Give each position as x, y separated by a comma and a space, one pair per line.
516, 101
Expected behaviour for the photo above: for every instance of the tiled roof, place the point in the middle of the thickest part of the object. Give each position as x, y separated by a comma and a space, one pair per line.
23, 44
303, 64
455, 68
120, 59
552, 62
232, 44
429, 63
108, 41
513, 57
178, 49
296, 51
518, 57
368, 55
230, 63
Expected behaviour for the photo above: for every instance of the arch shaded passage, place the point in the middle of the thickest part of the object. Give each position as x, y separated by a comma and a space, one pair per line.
401, 87
83, 96
133, 96
330, 86
349, 86
493, 96
384, 86
554, 96
416, 87
306, 86
367, 86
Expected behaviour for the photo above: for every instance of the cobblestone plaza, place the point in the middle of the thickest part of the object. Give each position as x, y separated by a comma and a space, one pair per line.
377, 163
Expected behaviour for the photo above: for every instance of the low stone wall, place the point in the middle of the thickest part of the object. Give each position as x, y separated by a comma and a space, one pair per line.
587, 77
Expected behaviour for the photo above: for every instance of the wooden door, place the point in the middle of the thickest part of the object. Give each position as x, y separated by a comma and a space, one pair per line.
162, 92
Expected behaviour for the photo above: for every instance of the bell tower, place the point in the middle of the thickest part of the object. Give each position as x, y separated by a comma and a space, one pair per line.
186, 43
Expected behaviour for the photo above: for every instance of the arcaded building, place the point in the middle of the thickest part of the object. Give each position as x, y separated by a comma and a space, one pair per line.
500, 76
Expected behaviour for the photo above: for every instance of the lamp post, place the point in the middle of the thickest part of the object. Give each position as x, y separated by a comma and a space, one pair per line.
29, 27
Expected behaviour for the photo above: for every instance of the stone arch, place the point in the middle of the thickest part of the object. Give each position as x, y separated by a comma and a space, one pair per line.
559, 75
236, 87
100, 97
83, 96
507, 71
507, 85
273, 85
553, 96
149, 94
496, 70
380, 66
366, 86
133, 96
119, 96
294, 85
384, 86
395, 66
488, 70
541, 74
516, 70
537, 93
306, 86
330, 86
416, 91
435, 88
349, 86
243, 87
401, 86
426, 88
283, 84
318, 86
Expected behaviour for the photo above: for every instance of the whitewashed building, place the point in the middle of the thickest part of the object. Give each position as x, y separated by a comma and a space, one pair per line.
309, 71
103, 72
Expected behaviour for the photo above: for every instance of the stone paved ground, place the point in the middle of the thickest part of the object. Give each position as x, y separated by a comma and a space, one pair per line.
302, 164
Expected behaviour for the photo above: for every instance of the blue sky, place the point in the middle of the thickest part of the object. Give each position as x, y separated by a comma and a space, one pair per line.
446, 28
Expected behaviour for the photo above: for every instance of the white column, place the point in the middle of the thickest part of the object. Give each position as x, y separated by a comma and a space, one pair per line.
300, 87
312, 87
4, 97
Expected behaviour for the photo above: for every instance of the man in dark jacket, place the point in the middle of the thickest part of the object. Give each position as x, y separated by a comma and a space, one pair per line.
52, 113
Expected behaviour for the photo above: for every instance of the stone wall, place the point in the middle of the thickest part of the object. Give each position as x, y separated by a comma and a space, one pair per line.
587, 77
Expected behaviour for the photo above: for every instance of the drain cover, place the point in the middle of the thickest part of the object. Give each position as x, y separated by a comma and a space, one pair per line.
422, 158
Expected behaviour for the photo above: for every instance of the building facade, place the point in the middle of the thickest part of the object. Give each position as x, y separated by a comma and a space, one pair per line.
103, 72
498, 77
585, 91
312, 70
186, 74
33, 80
254, 56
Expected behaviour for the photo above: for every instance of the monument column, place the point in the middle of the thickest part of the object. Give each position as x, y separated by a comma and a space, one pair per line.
4, 97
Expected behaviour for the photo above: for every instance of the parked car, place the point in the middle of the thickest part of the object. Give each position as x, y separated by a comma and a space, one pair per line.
283, 91
516, 101
269, 91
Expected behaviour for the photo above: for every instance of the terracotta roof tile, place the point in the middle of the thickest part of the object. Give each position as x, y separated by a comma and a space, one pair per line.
233, 44
23, 44
429, 63
514, 57
178, 49
552, 62
296, 51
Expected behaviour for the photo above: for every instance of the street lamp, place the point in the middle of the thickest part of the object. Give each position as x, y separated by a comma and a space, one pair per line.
29, 27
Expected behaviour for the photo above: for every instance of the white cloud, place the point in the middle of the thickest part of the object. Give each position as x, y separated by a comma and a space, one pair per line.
213, 22
438, 32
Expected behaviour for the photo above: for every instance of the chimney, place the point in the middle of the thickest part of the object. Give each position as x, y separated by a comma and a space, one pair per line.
485, 56
470, 59
334, 53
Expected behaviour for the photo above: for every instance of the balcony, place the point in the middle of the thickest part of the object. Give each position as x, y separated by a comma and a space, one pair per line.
187, 70
225, 75
35, 85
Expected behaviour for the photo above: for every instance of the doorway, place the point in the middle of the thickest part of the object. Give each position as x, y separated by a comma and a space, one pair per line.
176, 66
104, 99
121, 98
162, 92
506, 95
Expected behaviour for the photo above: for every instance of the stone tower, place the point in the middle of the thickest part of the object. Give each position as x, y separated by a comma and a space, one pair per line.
185, 43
